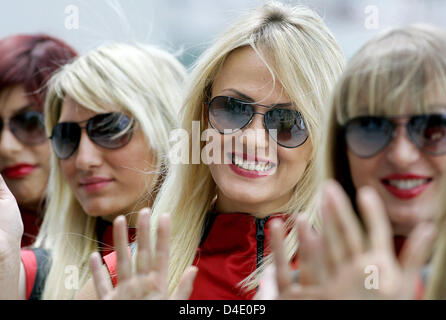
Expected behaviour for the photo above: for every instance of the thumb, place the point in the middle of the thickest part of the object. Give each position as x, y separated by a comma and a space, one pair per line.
186, 284
5, 193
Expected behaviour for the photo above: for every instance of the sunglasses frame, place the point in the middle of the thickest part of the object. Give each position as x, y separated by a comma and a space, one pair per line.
271, 107
131, 130
8, 125
393, 126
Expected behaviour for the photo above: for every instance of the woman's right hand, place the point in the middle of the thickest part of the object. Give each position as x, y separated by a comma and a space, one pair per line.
11, 225
334, 264
149, 280
11, 231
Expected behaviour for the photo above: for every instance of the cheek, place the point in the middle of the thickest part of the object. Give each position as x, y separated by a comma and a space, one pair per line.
133, 166
439, 163
294, 160
68, 169
41, 154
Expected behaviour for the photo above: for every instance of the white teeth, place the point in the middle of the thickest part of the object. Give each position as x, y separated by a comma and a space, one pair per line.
251, 165
407, 184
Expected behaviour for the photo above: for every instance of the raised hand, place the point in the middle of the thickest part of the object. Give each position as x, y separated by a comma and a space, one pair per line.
149, 279
336, 263
11, 231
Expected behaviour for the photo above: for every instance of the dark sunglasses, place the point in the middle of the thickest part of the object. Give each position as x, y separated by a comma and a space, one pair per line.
108, 130
28, 127
228, 115
366, 136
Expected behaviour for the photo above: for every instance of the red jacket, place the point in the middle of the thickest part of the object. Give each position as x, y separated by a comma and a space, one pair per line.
232, 247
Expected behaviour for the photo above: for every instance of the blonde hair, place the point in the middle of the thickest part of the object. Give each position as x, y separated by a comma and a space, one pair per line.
436, 284
141, 80
304, 57
391, 73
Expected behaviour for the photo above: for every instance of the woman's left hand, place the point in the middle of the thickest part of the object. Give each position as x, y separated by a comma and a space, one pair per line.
344, 262
149, 280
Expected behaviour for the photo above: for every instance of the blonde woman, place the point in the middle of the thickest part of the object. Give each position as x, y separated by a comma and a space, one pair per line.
387, 142
262, 85
108, 114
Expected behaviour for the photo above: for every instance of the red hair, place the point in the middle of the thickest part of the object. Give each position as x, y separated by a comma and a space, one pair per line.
30, 60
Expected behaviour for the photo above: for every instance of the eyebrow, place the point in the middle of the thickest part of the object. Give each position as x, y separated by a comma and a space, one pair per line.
248, 98
25, 107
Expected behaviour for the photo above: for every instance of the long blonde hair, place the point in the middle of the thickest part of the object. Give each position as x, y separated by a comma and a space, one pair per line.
304, 57
138, 79
395, 70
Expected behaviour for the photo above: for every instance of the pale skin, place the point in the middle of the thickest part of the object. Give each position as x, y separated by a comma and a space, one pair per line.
332, 264
123, 166
11, 230
29, 190
402, 156
149, 281
245, 76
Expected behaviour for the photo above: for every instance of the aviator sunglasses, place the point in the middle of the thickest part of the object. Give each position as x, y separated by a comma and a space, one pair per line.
366, 136
27, 126
228, 115
108, 130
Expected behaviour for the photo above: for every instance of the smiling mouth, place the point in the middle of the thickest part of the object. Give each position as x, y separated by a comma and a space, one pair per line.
406, 184
252, 165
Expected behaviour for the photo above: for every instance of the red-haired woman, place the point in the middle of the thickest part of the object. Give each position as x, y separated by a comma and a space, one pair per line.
27, 62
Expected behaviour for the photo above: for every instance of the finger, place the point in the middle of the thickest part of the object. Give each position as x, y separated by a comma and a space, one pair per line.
100, 278
120, 238
267, 289
283, 272
162, 249
372, 209
417, 248
186, 284
143, 238
312, 266
334, 243
347, 220
5, 193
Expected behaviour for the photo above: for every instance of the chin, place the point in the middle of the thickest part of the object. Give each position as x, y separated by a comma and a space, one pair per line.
98, 209
404, 221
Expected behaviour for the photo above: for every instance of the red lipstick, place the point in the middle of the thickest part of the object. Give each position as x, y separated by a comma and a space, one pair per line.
404, 190
93, 184
18, 171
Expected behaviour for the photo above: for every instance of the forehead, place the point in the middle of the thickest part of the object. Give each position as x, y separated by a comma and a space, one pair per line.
13, 99
245, 71
74, 112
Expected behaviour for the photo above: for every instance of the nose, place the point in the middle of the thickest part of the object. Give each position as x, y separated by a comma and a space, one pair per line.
254, 135
9, 144
88, 155
402, 152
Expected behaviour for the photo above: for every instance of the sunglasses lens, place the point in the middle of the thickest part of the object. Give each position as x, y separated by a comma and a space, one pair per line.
429, 132
290, 128
110, 130
366, 136
65, 139
228, 114
28, 127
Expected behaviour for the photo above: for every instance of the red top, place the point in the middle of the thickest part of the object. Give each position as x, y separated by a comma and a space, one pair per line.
232, 247
105, 234
31, 224
229, 252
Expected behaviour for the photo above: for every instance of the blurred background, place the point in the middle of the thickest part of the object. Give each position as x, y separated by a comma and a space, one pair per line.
187, 27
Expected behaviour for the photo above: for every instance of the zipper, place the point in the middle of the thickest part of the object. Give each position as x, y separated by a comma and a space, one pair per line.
260, 237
